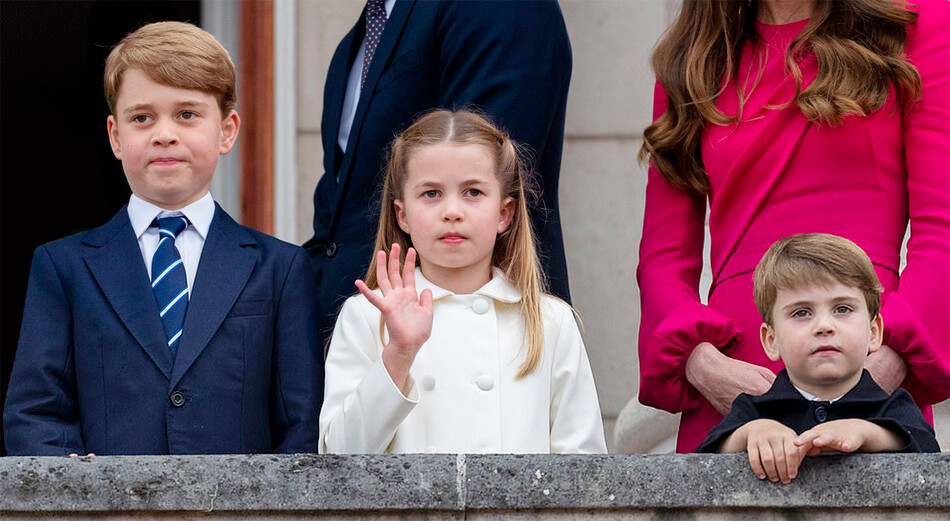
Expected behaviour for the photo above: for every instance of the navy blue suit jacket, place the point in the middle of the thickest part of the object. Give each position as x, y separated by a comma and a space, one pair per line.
93, 372
512, 59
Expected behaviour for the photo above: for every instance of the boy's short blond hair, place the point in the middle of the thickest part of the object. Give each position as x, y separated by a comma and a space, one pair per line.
814, 258
176, 54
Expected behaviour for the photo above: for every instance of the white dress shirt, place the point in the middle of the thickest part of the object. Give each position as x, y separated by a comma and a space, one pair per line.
463, 392
352, 97
189, 243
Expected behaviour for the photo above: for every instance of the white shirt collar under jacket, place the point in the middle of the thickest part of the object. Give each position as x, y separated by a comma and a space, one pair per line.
498, 288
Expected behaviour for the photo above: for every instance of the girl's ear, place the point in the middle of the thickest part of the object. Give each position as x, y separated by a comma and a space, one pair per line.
767, 336
506, 213
400, 210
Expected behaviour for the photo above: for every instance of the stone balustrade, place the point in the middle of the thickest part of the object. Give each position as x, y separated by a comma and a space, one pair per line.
450, 486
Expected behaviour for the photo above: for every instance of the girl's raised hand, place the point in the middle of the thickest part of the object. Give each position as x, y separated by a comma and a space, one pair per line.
408, 315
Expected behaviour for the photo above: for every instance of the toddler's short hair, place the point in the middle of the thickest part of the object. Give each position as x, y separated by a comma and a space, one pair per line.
176, 54
814, 258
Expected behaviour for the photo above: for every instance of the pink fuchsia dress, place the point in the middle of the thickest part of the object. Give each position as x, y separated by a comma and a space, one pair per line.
775, 174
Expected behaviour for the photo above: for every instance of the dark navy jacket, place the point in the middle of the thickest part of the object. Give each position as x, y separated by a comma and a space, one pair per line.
93, 372
783, 403
510, 58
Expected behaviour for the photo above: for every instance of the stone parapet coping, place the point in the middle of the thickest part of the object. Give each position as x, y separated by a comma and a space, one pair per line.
450, 482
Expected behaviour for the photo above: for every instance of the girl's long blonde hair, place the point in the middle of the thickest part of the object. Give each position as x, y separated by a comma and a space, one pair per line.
514, 249
858, 45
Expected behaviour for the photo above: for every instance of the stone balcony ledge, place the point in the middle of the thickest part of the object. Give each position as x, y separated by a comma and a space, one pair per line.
913, 486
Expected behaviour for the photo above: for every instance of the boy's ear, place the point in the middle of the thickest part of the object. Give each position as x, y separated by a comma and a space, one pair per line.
767, 336
400, 210
230, 126
506, 214
877, 334
113, 131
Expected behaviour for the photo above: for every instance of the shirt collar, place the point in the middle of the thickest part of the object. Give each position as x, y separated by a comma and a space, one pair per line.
199, 213
812, 398
498, 288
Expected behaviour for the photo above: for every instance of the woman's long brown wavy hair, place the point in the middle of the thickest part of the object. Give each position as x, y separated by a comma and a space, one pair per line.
858, 45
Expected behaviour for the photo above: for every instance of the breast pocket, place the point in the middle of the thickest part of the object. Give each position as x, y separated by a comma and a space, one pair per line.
246, 308
400, 65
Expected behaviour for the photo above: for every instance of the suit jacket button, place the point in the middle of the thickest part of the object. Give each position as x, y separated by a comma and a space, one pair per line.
331, 249
821, 414
177, 399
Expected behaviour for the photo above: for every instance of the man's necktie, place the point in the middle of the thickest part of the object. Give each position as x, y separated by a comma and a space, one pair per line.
169, 282
375, 23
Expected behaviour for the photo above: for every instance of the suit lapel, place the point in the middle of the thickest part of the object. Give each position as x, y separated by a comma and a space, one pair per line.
224, 268
384, 51
337, 78
115, 260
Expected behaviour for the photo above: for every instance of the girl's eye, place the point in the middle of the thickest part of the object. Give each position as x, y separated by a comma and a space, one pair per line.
800, 313
474, 192
430, 194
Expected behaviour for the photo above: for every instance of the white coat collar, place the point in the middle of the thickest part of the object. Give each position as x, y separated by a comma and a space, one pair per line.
498, 288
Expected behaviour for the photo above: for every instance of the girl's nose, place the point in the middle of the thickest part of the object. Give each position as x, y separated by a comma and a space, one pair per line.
451, 209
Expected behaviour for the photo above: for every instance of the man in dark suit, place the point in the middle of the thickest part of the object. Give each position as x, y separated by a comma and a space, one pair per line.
509, 58
171, 329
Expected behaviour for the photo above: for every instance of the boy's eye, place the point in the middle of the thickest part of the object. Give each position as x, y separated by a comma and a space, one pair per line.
842, 309
141, 118
801, 313
186, 115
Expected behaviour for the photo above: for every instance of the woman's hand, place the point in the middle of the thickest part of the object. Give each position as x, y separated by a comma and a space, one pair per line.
408, 315
886, 368
720, 378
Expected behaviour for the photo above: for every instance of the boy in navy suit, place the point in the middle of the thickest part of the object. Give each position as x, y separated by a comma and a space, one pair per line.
820, 301
171, 329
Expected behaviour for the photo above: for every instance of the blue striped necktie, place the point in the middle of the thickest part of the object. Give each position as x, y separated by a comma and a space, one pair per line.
169, 282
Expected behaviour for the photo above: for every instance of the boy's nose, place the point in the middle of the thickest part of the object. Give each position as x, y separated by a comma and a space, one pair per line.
824, 324
164, 135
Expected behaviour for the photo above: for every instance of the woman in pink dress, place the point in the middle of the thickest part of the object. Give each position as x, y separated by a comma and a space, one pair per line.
792, 117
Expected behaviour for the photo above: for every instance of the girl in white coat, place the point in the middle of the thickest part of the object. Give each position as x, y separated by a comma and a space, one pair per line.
464, 353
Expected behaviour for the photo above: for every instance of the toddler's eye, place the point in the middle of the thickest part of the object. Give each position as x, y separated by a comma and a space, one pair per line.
842, 309
800, 313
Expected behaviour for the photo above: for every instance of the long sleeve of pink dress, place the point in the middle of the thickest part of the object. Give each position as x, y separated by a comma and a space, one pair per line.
775, 174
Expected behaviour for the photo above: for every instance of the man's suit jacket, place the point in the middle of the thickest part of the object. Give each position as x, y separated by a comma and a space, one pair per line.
93, 372
511, 59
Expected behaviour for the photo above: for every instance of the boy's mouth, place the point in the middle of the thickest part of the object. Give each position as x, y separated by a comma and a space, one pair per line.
164, 161
826, 349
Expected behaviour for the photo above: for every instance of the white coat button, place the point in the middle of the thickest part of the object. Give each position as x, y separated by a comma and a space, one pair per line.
480, 306
428, 382
485, 382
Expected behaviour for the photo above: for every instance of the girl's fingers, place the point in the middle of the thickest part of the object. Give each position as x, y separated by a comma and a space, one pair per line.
425, 300
382, 275
373, 298
394, 278
409, 270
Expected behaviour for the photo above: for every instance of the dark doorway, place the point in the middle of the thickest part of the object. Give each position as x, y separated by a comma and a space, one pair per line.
59, 174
